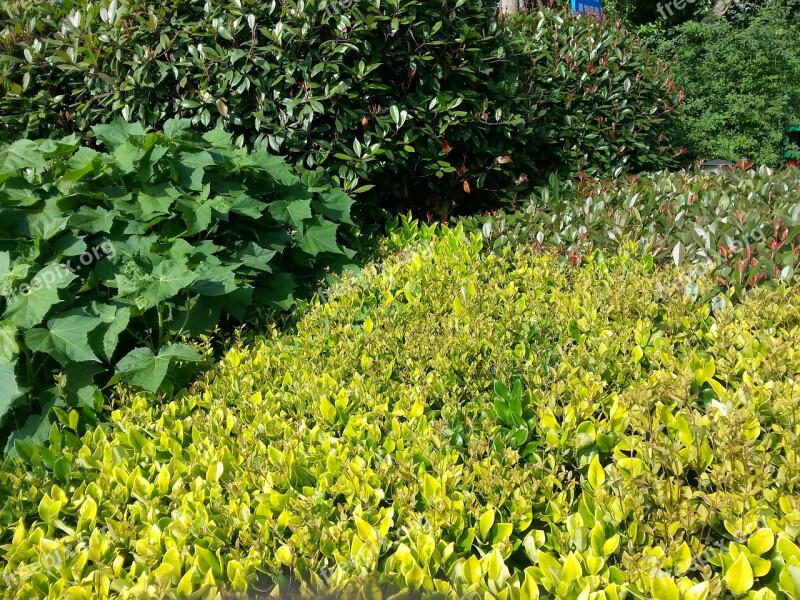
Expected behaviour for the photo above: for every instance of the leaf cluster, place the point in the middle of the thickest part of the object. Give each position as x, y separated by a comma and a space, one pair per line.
110, 258
323, 461
438, 105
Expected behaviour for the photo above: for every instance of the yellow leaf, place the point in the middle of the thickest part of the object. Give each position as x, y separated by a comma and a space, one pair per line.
739, 577
697, 592
597, 475
485, 523
664, 588
571, 570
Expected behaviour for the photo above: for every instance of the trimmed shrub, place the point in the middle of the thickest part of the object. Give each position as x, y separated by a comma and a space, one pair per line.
437, 104
448, 424
741, 226
596, 102
108, 259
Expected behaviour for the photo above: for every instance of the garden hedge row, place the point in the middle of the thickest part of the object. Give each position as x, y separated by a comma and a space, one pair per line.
436, 104
449, 423
742, 226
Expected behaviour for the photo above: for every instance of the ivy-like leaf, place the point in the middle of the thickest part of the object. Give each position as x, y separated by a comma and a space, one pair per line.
142, 368
22, 154
65, 339
167, 279
9, 390
319, 237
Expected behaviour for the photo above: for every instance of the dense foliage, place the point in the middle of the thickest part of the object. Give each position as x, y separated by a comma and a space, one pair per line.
742, 226
108, 259
741, 77
596, 103
449, 423
433, 102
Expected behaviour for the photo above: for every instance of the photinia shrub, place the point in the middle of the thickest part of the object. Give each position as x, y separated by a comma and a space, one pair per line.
594, 101
440, 105
742, 226
110, 258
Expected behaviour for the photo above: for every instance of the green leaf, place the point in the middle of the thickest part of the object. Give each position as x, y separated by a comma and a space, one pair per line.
320, 237
292, 212
334, 204
66, 338
8, 342
280, 292
142, 368
28, 310
62, 469
80, 388
114, 320
167, 279
117, 133
22, 154
9, 391
191, 169
274, 165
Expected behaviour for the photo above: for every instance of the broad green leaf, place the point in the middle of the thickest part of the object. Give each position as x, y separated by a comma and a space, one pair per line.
319, 237
28, 310
80, 389
9, 390
117, 133
22, 154
167, 279
191, 169
65, 338
114, 320
274, 165
334, 204
142, 368
9, 347
293, 212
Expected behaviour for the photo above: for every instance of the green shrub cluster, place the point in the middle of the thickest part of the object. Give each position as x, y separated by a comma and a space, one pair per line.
741, 77
740, 226
596, 103
431, 102
450, 424
109, 259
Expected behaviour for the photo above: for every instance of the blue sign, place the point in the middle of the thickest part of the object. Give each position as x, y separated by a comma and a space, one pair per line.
588, 7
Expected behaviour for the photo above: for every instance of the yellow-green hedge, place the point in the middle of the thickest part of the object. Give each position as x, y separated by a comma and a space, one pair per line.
450, 424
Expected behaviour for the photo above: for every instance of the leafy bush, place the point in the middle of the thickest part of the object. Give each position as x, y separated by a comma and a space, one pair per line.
741, 226
108, 257
434, 103
742, 81
596, 102
358, 454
